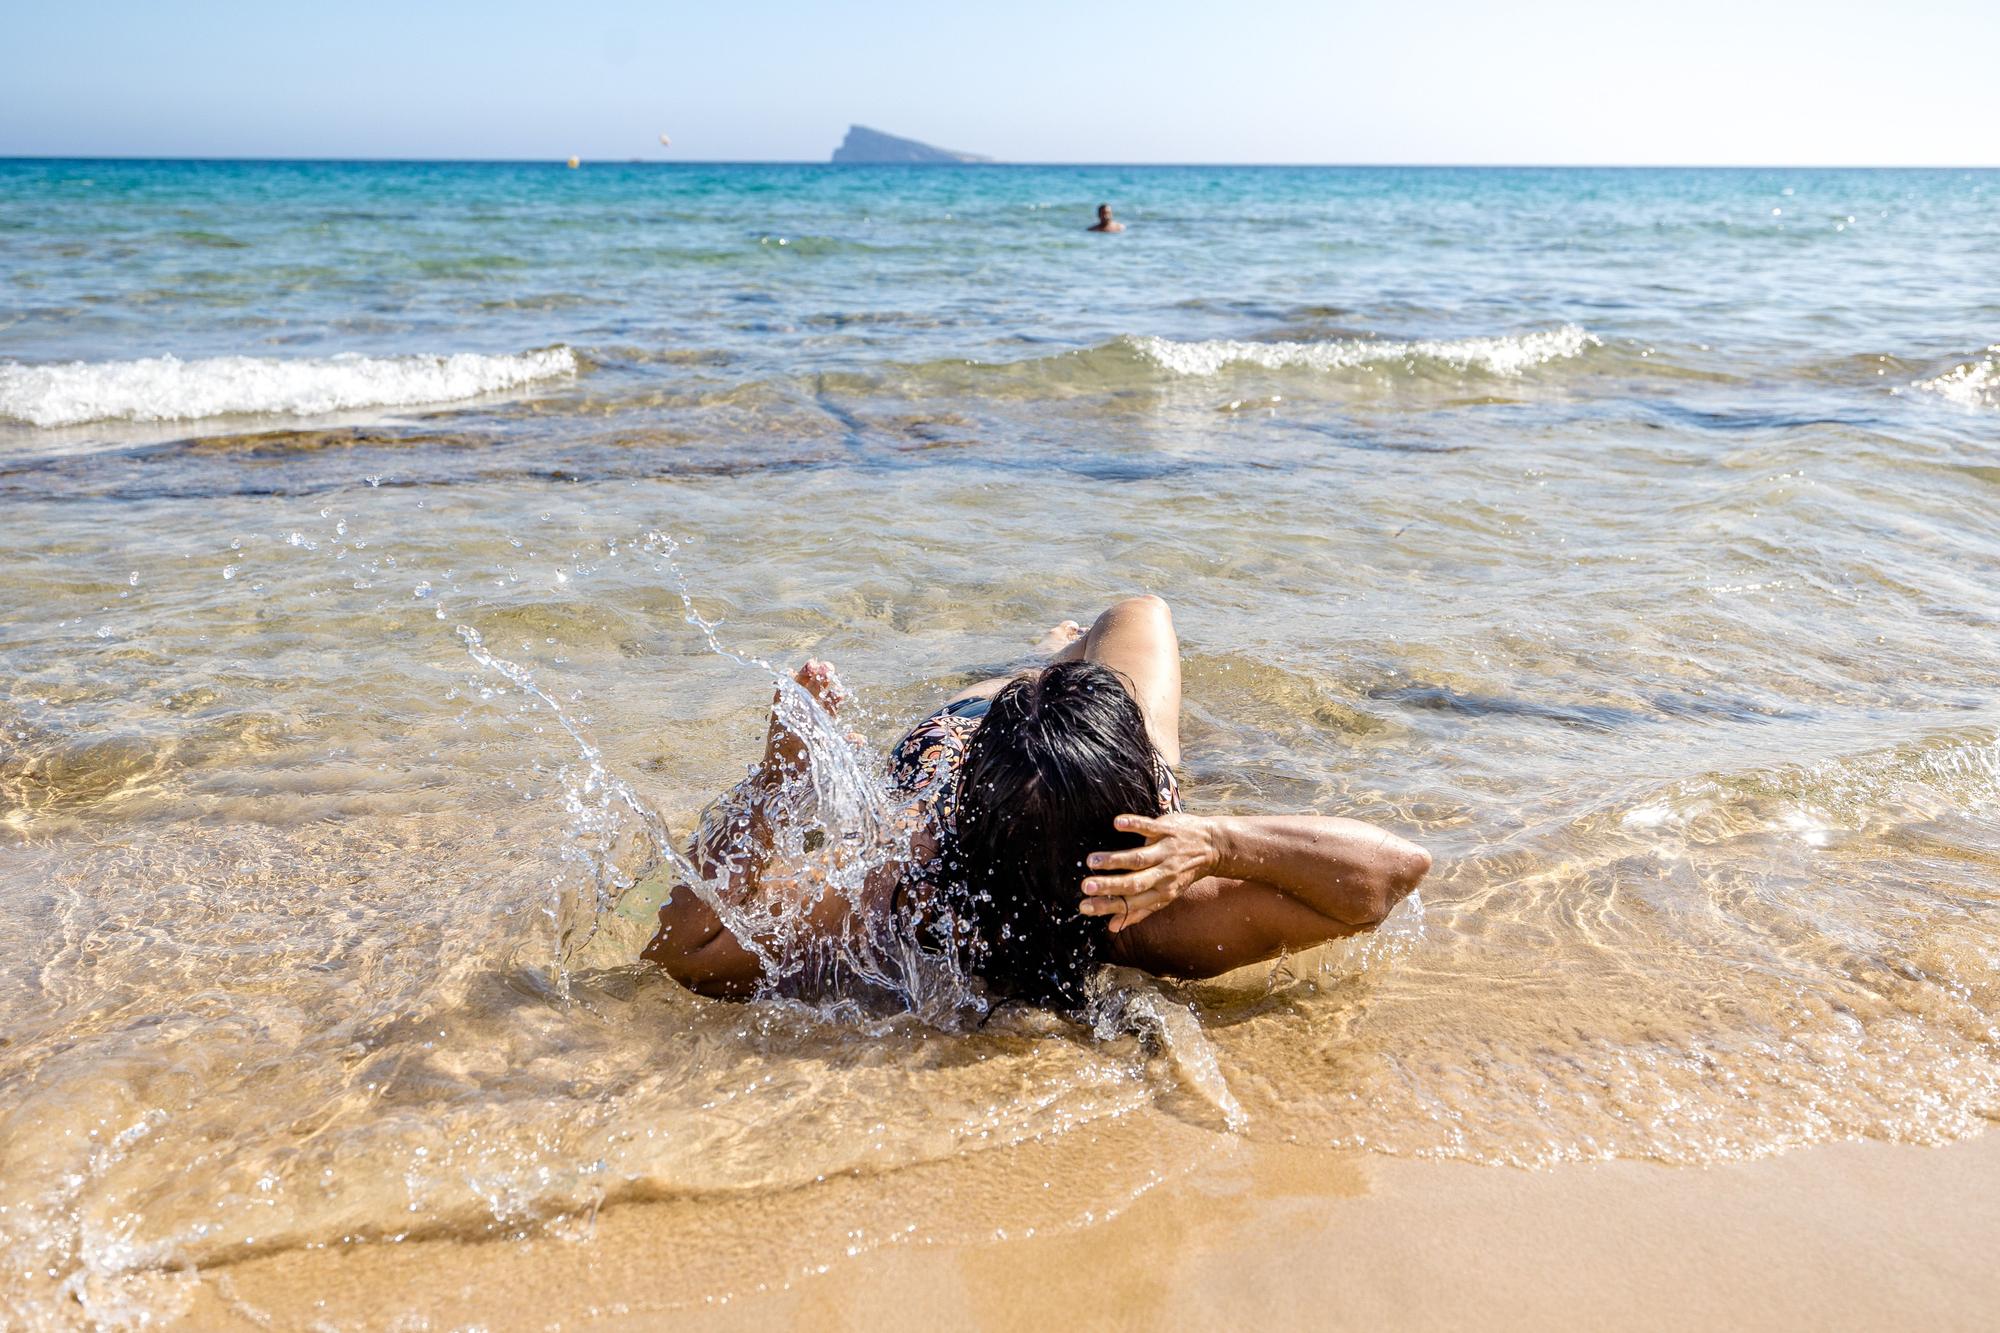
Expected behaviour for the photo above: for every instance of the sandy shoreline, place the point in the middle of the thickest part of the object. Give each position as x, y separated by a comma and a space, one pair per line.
1231, 1234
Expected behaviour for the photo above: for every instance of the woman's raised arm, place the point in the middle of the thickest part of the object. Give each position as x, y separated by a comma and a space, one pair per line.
1211, 893
693, 944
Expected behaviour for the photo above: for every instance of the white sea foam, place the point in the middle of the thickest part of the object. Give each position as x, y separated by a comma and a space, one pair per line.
1499, 356
166, 388
1974, 384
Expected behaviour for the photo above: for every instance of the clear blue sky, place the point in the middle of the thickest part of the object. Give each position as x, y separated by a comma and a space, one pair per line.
1745, 81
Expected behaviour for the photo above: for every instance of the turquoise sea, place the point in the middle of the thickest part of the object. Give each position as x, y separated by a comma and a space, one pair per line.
390, 552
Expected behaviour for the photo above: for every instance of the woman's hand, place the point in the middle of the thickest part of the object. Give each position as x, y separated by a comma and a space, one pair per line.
784, 748
1180, 851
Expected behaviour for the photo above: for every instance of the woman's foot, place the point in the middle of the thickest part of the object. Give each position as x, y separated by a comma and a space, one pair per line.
1058, 638
785, 749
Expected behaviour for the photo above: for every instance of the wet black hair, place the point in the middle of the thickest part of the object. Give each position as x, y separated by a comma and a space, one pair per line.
1059, 755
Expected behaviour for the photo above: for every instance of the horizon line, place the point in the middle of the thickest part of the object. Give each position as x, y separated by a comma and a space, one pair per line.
948, 166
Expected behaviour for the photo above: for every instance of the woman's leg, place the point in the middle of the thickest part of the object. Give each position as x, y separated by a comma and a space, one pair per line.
1136, 639
1062, 643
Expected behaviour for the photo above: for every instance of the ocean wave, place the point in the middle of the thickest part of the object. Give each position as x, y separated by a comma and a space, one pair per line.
166, 388
1505, 355
1140, 362
1973, 384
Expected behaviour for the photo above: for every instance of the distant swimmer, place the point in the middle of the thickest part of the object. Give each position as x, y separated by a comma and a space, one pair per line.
1105, 222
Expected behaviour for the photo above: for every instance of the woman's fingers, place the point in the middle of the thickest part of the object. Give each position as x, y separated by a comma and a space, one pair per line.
820, 680
1143, 825
1124, 886
1139, 908
1152, 876
1104, 894
1131, 858
1123, 911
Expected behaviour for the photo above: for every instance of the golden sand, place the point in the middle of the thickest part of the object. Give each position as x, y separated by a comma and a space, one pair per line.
1843, 1236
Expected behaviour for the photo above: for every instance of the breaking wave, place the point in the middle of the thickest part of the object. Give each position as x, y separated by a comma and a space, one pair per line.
1973, 384
1508, 355
166, 388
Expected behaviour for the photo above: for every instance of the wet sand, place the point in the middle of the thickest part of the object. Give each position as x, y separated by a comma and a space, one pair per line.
1842, 1236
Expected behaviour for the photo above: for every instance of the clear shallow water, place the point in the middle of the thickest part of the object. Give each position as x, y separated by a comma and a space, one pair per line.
1626, 536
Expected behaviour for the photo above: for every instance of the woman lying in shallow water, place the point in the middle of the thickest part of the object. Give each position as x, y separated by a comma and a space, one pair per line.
1046, 838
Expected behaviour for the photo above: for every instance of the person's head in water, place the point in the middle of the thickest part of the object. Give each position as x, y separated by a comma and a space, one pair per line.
1105, 222
1059, 755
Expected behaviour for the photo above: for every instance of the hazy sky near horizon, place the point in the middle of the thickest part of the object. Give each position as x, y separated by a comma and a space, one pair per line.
1537, 81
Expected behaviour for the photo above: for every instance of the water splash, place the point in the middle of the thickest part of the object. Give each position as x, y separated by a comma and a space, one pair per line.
1970, 384
1130, 1001
830, 822
613, 837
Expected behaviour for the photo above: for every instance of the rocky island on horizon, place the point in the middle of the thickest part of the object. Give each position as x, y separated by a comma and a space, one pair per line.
864, 145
